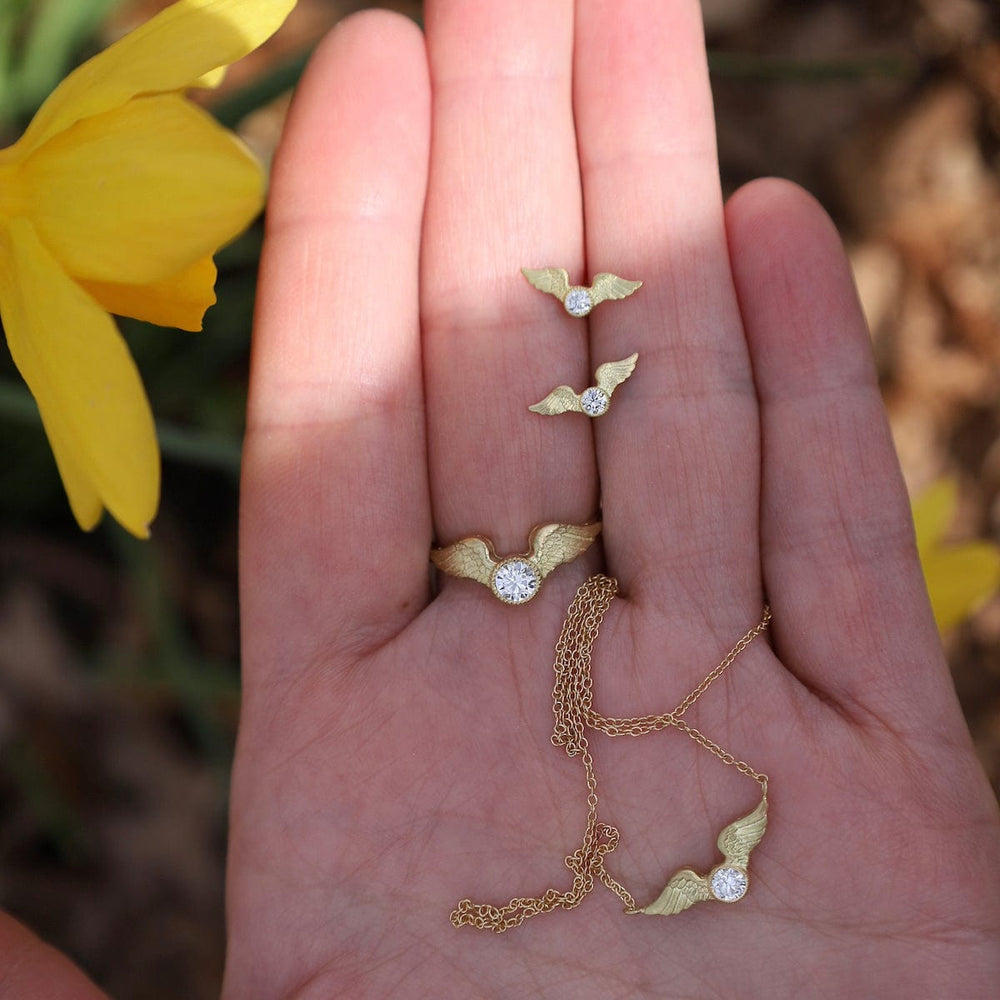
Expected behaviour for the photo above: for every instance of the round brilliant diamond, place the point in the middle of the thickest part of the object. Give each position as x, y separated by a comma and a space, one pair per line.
578, 302
728, 884
594, 401
515, 581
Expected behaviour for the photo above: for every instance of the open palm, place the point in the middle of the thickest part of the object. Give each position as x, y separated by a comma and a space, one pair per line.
394, 752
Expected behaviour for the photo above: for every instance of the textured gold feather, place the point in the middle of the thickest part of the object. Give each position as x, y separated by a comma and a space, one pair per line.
562, 399
553, 280
473, 558
608, 377
686, 887
612, 373
742, 835
610, 286
555, 544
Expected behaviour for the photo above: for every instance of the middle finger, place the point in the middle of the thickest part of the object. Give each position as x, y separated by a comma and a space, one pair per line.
503, 194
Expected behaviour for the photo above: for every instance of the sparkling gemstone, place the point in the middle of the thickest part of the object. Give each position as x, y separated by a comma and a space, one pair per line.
594, 401
577, 302
728, 884
515, 581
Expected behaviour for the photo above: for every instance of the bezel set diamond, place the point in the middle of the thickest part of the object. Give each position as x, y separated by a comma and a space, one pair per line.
578, 302
728, 884
594, 401
515, 581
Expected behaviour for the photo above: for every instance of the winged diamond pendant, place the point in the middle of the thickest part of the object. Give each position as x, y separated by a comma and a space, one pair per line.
726, 882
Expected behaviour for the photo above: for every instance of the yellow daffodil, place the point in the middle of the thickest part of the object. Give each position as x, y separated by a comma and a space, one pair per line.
114, 201
959, 577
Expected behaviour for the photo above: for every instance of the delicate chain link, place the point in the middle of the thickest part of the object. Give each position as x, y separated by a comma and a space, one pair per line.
572, 705
726, 663
639, 726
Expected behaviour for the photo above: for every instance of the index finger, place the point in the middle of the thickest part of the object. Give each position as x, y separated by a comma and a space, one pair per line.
334, 478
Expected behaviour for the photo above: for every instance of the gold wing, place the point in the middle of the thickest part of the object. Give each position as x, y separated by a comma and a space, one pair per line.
684, 889
611, 374
610, 286
473, 558
559, 400
554, 280
555, 544
742, 835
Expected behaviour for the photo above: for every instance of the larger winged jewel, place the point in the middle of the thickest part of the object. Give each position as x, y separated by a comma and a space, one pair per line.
516, 579
726, 882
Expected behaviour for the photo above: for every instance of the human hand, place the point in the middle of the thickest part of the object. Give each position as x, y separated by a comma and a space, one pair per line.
394, 750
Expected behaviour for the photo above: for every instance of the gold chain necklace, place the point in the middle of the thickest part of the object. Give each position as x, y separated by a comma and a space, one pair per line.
572, 704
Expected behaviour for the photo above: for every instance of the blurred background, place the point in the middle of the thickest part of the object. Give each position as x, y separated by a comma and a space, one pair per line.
119, 660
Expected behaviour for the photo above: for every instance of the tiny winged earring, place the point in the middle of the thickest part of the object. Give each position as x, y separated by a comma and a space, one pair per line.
594, 400
578, 300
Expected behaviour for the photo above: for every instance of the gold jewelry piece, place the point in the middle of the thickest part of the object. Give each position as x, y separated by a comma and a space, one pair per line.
578, 300
516, 579
727, 882
572, 705
594, 400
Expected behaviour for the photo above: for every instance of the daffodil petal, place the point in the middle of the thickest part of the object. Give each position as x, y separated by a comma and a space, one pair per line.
172, 51
212, 79
933, 511
83, 498
180, 300
85, 382
960, 578
140, 193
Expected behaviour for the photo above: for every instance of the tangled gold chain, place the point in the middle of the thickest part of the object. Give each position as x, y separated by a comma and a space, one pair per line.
572, 705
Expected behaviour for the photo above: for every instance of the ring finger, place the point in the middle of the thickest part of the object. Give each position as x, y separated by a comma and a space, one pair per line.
678, 454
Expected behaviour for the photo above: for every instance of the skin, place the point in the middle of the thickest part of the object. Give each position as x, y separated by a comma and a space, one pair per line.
393, 753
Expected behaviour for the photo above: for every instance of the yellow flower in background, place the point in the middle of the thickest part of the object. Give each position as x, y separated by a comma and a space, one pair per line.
114, 201
959, 577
